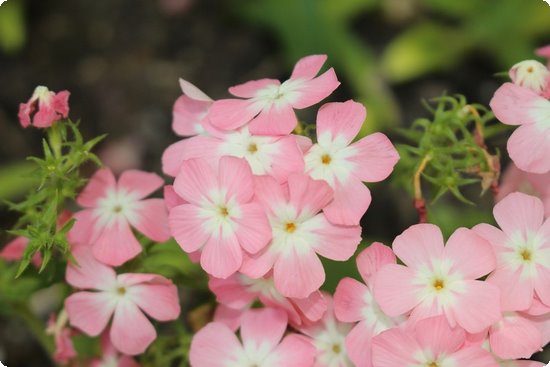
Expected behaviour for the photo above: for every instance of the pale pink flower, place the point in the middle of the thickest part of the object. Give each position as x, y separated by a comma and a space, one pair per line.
522, 247
344, 165
354, 302
277, 156
269, 105
300, 234
189, 111
15, 249
261, 332
530, 74
126, 297
440, 280
515, 179
111, 207
431, 343
64, 348
220, 218
239, 292
529, 145
110, 357
328, 336
44, 108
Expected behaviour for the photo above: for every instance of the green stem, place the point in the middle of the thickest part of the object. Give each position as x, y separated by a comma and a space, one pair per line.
54, 137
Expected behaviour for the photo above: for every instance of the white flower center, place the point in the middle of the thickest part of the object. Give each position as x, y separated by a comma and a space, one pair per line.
531, 74
526, 252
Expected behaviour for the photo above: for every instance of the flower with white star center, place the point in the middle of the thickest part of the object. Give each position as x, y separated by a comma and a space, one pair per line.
300, 233
522, 245
220, 217
438, 279
261, 333
110, 207
345, 165
269, 105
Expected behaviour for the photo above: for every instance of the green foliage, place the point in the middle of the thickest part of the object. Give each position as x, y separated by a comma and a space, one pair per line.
58, 178
448, 151
12, 26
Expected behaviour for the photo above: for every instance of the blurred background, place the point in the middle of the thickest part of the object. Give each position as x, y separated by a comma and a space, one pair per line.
121, 60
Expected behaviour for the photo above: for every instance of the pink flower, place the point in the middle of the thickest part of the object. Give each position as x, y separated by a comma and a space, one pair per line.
522, 246
14, 251
531, 74
354, 302
221, 219
300, 233
111, 207
189, 111
515, 179
440, 280
110, 356
44, 108
269, 105
529, 145
261, 332
514, 336
266, 155
126, 296
344, 165
64, 348
239, 292
432, 343
328, 336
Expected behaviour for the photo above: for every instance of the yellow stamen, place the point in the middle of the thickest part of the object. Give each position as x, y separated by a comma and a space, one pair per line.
290, 227
121, 291
526, 255
223, 211
252, 148
439, 284
325, 159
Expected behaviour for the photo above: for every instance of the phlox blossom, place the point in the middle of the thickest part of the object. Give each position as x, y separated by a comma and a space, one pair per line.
529, 144
300, 233
440, 280
531, 74
354, 302
220, 218
522, 246
344, 165
190, 110
261, 332
64, 348
269, 105
126, 297
44, 108
110, 207
431, 343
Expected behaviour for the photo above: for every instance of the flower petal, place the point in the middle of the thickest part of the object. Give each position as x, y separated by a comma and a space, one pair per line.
194, 180
472, 256
140, 183
349, 300
376, 156
307, 67
151, 219
419, 244
89, 273
249, 89
529, 148
373, 258
102, 181
263, 328
222, 256
131, 332
116, 244
341, 120
90, 311
187, 227
254, 230
230, 114
519, 212
214, 346
160, 301
298, 273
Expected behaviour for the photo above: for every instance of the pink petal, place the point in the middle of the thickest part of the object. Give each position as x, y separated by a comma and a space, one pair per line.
60, 103
235, 176
254, 230
298, 274
335, 242
529, 149
307, 67
419, 244
294, 351
474, 356
317, 89
385, 353
516, 292
131, 332
359, 345
263, 328
477, 307
214, 345
85, 230
495, 236
268, 191
151, 219
541, 283
373, 258
230, 114
222, 256
14, 250
512, 103
140, 183
116, 244
160, 301
349, 300
195, 180
171, 158
45, 116
519, 211
514, 337
313, 307
187, 228
437, 335
341, 120
308, 195
102, 181
286, 159
472, 256
192, 91
376, 157
249, 89
231, 292
256, 266
187, 115
274, 120
228, 316
351, 201
394, 291
171, 199
90, 311
89, 273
